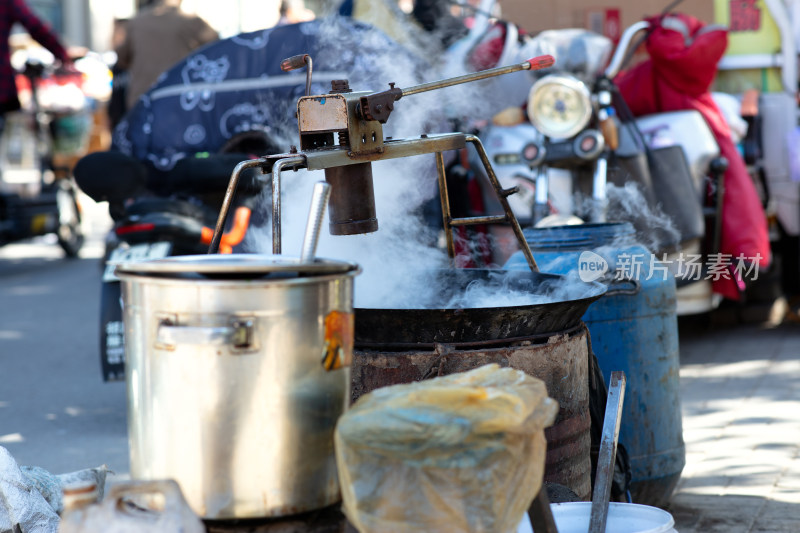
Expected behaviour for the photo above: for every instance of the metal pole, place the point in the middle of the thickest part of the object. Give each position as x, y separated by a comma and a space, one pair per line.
600, 190
536, 63
502, 196
279, 165
308, 74
445, 198
213, 248
472, 221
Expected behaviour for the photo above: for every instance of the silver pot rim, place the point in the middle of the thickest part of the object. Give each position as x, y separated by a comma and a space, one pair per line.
235, 265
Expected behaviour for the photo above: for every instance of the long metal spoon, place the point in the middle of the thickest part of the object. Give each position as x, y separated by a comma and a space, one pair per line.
319, 201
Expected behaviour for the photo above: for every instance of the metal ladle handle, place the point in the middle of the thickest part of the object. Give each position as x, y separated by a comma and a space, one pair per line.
299, 61
378, 106
535, 63
319, 201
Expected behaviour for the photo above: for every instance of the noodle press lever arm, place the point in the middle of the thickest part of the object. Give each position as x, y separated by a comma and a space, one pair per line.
378, 106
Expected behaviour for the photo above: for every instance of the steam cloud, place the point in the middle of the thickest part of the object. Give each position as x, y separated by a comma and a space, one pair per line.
400, 258
655, 230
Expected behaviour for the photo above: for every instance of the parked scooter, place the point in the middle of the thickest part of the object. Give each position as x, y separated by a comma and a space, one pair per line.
147, 226
558, 141
577, 137
36, 198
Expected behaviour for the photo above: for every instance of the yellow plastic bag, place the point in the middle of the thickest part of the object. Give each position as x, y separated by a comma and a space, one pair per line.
460, 453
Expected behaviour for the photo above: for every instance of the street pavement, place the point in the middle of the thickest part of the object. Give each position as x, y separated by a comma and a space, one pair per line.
740, 394
55, 411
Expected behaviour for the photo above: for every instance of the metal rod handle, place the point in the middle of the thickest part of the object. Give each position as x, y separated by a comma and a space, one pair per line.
474, 221
322, 191
444, 198
535, 63
213, 248
277, 168
296, 62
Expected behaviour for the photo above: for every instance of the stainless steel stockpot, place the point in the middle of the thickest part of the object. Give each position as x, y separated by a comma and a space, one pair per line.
237, 370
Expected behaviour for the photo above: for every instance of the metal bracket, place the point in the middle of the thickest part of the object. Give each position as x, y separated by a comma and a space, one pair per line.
337, 157
502, 195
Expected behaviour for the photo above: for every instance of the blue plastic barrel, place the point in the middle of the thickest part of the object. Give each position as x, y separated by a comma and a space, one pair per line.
634, 329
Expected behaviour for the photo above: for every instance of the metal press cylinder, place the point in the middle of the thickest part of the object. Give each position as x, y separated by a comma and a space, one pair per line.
352, 203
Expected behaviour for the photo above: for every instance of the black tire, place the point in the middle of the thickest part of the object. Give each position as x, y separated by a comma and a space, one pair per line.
70, 231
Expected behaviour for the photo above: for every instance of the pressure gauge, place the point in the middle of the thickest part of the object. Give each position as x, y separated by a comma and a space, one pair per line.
559, 106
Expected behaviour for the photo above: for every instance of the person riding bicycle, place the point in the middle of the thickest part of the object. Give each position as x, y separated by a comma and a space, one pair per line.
17, 11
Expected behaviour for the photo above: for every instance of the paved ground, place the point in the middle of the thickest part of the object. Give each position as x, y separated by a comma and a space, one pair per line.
740, 387
55, 411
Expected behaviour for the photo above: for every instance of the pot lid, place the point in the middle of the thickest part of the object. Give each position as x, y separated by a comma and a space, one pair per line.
235, 266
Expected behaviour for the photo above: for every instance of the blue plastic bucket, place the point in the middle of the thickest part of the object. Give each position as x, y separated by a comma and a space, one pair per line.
633, 328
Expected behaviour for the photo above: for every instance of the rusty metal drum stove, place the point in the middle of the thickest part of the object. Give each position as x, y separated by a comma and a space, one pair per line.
547, 341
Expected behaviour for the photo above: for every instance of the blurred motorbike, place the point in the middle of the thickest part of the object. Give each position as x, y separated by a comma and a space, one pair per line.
37, 194
576, 149
560, 142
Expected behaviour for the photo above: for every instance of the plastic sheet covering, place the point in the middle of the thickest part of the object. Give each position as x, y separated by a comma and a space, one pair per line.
460, 453
23, 509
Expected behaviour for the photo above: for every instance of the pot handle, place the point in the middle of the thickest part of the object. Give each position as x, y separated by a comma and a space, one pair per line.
623, 286
239, 334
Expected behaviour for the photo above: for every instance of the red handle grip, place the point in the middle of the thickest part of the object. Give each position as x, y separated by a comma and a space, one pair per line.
294, 62
540, 62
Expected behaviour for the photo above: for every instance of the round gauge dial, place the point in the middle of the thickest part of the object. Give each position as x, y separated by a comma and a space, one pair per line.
559, 106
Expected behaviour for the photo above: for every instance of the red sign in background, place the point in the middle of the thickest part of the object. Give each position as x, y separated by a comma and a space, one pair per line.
745, 15
605, 21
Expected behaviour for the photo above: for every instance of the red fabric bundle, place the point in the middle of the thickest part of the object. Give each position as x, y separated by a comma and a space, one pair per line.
684, 54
